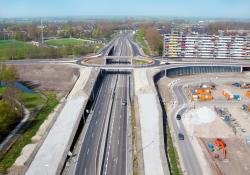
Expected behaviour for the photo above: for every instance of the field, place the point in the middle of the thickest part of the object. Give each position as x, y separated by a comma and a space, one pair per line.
67, 41
7, 46
13, 49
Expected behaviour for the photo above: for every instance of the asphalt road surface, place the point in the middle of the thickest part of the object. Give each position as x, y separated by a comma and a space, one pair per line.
189, 158
113, 91
88, 159
115, 159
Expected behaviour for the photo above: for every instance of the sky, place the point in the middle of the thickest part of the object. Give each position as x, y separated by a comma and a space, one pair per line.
164, 8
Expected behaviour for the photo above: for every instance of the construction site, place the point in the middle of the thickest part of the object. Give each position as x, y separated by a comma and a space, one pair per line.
216, 118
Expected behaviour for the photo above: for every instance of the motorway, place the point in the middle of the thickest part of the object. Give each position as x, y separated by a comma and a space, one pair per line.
115, 160
110, 111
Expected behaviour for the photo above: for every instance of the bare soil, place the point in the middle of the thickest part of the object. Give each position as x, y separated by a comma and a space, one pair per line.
237, 160
238, 157
53, 77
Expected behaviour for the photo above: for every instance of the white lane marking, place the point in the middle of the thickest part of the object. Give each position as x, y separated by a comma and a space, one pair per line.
118, 142
92, 135
85, 171
88, 151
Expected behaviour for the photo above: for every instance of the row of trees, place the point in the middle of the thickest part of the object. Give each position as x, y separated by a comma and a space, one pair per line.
154, 39
76, 29
10, 109
214, 27
13, 52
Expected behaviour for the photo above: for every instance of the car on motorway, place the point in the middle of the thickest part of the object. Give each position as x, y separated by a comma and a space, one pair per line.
178, 117
180, 136
124, 103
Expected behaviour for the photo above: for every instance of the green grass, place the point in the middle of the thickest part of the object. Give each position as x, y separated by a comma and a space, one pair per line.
2, 89
172, 153
142, 43
8, 46
10, 157
134, 140
67, 41
31, 101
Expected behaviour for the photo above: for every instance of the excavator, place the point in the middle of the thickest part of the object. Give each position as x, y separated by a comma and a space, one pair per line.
218, 144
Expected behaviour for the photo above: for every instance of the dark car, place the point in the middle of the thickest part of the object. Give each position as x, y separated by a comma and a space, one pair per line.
180, 136
124, 103
178, 117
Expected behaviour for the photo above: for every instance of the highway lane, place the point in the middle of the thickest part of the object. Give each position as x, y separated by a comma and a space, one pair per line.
115, 160
87, 161
115, 150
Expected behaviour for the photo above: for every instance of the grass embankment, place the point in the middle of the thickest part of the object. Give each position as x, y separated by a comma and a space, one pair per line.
40, 109
9, 116
134, 140
172, 155
142, 43
74, 42
142, 61
67, 41
171, 150
7, 47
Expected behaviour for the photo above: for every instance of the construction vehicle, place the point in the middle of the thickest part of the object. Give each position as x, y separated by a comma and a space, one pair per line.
228, 94
245, 85
248, 94
237, 97
202, 91
236, 84
217, 146
206, 97
220, 145
246, 108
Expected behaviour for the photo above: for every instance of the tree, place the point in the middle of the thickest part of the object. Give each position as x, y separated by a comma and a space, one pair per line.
154, 39
142, 32
96, 32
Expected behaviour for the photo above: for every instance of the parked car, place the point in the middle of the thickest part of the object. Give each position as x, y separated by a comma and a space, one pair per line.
178, 117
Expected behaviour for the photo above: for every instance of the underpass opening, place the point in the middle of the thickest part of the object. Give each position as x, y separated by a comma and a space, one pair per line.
118, 60
191, 70
246, 68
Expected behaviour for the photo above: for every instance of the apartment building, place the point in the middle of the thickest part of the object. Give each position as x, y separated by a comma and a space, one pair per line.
206, 46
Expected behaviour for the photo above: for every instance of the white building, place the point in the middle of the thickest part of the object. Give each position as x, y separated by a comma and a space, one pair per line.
208, 46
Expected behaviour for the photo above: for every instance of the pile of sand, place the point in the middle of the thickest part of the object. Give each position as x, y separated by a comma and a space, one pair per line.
204, 122
201, 115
